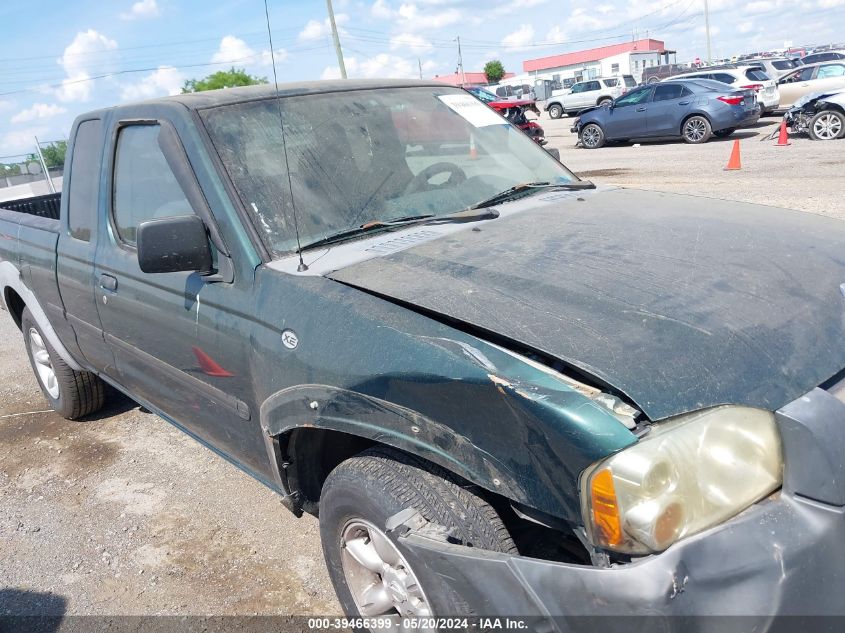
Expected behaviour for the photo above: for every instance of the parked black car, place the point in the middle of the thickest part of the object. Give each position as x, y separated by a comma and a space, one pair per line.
653, 74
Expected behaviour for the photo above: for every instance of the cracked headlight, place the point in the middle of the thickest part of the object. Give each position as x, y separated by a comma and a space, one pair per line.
686, 475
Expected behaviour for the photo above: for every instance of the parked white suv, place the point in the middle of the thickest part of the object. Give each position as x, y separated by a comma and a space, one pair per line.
586, 94
747, 77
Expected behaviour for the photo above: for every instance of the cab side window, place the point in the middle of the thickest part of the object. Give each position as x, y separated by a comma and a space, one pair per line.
83, 196
831, 70
144, 185
666, 92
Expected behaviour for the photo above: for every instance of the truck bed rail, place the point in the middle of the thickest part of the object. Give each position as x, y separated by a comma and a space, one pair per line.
46, 206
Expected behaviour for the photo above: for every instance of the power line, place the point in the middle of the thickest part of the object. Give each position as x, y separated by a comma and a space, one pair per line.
136, 70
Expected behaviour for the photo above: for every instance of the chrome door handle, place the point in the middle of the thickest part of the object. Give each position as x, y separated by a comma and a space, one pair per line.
641, 109
107, 282
683, 102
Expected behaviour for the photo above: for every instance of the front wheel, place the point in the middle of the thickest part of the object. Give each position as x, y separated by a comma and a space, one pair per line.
72, 394
696, 129
827, 125
373, 573
592, 136
724, 133
555, 111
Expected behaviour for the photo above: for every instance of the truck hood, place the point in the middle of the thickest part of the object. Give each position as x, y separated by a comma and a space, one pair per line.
679, 302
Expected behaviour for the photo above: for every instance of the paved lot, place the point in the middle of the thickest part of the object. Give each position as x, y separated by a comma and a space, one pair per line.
807, 175
122, 514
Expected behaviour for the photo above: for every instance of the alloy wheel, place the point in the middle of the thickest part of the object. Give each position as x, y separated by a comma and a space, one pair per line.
379, 578
43, 364
695, 129
827, 127
591, 136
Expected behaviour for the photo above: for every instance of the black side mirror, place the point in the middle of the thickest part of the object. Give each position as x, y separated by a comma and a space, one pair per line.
169, 245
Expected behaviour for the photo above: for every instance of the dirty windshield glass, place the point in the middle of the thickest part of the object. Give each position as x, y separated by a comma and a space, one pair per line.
359, 156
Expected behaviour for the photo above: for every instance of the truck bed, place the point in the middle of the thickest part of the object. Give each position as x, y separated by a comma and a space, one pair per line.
43, 206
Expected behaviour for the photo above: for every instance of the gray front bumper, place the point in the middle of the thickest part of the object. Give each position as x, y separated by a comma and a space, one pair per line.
783, 556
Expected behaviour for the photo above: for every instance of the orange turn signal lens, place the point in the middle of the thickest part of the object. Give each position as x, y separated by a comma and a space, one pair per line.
605, 508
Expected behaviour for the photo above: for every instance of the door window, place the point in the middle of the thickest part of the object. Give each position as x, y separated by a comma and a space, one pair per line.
592, 85
831, 70
725, 78
83, 196
666, 92
144, 185
634, 97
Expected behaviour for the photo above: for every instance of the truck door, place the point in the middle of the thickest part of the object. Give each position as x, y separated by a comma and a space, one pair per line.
174, 335
77, 243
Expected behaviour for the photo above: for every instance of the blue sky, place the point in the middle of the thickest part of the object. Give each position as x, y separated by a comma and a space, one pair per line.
53, 52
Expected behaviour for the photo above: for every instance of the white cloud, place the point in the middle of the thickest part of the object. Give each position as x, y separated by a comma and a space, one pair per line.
556, 34
38, 111
6, 105
412, 19
143, 9
830, 4
87, 48
415, 43
22, 141
381, 65
315, 29
234, 50
745, 27
520, 38
166, 80
381, 10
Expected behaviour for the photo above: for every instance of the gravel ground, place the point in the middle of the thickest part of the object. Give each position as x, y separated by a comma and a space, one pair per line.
123, 514
807, 175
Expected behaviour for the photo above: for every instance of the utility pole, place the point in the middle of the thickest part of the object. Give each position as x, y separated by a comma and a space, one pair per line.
419, 63
339, 52
461, 62
707, 31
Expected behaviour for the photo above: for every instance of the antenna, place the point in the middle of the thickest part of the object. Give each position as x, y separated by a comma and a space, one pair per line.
302, 267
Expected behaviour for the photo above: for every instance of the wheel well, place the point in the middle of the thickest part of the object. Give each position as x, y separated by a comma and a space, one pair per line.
15, 304
310, 454
692, 114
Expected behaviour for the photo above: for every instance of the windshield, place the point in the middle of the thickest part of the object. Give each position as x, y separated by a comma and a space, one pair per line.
366, 155
629, 81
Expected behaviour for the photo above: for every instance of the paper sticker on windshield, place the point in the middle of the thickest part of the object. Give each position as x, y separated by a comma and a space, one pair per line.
470, 108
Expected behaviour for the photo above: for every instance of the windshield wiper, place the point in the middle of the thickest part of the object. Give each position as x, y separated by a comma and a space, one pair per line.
466, 215
526, 188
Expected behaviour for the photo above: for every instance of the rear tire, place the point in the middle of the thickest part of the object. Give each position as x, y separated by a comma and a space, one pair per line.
360, 495
604, 101
72, 394
592, 136
555, 111
696, 130
827, 125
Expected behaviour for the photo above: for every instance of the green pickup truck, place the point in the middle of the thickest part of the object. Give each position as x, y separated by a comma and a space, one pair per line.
503, 390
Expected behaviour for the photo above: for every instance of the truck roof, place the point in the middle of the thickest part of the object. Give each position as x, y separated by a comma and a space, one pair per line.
211, 98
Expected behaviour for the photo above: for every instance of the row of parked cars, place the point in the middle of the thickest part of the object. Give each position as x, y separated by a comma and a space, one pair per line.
698, 104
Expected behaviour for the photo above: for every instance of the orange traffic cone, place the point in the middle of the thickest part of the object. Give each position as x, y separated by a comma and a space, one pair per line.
783, 138
473, 151
734, 162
